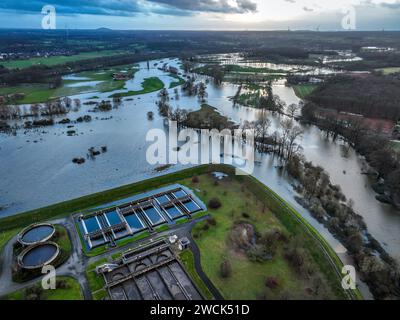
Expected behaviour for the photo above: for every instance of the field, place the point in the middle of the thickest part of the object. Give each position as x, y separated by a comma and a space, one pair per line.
304, 90
69, 290
248, 278
54, 60
387, 71
39, 93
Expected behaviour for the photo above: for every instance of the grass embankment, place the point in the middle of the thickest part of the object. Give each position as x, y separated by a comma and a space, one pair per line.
387, 71
54, 60
304, 90
187, 259
67, 288
149, 85
208, 118
288, 218
39, 93
247, 280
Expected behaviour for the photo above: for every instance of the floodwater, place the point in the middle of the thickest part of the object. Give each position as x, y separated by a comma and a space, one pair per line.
36, 167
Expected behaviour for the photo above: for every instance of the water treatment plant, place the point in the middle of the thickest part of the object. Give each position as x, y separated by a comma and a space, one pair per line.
185, 238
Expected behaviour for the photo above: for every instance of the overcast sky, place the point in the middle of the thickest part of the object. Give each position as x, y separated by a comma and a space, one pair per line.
204, 14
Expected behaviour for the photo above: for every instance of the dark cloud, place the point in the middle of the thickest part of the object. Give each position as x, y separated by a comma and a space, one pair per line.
130, 7
243, 6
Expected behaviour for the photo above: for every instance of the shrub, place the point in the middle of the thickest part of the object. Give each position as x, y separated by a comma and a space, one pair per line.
214, 203
195, 179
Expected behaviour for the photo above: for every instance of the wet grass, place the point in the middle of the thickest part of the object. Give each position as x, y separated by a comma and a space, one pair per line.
387, 71
39, 93
96, 282
208, 118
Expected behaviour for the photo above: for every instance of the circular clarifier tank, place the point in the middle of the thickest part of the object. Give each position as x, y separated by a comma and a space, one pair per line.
36, 233
38, 255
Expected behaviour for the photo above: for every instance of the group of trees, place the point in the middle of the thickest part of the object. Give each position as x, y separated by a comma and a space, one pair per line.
48, 109
371, 96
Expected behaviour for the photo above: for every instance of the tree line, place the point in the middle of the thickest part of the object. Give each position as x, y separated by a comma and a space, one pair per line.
369, 95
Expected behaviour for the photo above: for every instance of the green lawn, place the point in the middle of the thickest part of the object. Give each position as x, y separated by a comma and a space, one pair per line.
304, 90
241, 69
387, 71
5, 236
149, 85
71, 290
215, 246
177, 83
54, 60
